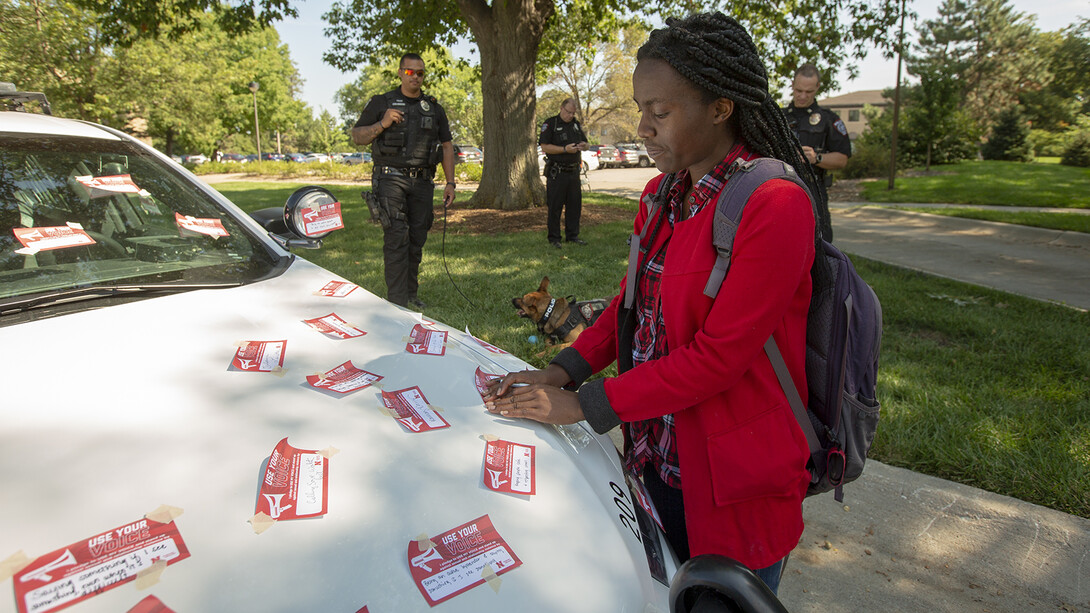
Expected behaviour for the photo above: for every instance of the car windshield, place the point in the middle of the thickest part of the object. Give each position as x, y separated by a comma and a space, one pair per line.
78, 214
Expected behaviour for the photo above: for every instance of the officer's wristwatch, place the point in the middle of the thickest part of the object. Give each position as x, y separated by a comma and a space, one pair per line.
817, 159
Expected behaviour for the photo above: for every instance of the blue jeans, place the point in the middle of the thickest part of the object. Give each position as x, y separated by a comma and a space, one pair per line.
668, 502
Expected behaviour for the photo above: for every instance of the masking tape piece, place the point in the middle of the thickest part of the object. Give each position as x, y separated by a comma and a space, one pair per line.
261, 522
279, 371
436, 408
13, 564
489, 437
150, 576
406, 339
424, 542
329, 452
491, 578
241, 344
164, 514
385, 411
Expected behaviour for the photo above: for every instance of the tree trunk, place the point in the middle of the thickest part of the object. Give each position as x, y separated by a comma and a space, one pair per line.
508, 35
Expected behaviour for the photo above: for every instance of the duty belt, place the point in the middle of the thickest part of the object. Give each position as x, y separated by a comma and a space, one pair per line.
412, 173
565, 167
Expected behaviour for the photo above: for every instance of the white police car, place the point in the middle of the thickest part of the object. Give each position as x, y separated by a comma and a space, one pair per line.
195, 419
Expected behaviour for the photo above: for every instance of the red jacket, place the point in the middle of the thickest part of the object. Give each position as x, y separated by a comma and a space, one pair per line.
742, 454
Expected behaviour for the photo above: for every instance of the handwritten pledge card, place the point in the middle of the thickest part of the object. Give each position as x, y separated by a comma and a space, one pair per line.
481, 379
343, 379
509, 467
337, 289
334, 326
410, 408
426, 341
295, 484
102, 562
260, 356
458, 560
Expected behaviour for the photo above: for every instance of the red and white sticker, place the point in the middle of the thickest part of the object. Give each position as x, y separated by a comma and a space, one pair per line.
295, 484
337, 289
411, 409
151, 604
54, 237
201, 225
643, 498
333, 325
325, 218
460, 560
104, 561
260, 356
98, 187
481, 379
488, 346
425, 341
509, 467
343, 379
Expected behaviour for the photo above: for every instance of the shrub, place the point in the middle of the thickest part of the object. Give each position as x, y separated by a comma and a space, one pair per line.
1077, 152
1009, 138
869, 159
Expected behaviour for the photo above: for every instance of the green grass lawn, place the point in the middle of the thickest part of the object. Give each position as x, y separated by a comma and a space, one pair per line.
977, 386
990, 182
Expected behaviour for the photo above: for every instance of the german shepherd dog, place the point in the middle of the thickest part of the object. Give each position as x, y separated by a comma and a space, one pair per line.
560, 320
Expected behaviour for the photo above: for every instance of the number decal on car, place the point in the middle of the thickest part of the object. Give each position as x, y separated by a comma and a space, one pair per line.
627, 515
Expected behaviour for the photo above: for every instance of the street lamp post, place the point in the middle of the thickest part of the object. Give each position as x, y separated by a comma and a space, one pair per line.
257, 131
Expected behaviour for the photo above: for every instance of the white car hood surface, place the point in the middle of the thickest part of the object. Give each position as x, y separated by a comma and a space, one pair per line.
109, 413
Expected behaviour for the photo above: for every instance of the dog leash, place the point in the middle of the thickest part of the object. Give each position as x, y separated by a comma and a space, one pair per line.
447, 268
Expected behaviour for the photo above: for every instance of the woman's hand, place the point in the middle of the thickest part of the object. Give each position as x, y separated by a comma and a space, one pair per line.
552, 375
545, 403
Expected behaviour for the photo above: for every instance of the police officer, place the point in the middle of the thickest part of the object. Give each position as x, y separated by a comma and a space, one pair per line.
822, 134
409, 134
562, 142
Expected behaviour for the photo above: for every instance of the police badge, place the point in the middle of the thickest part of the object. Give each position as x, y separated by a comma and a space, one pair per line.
424, 106
815, 119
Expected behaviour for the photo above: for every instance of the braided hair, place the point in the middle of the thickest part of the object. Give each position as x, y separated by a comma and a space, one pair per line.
716, 54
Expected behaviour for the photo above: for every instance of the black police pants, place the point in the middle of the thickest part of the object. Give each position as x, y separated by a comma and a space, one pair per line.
409, 202
563, 192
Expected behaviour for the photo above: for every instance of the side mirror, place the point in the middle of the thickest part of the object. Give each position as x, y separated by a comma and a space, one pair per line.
718, 584
310, 214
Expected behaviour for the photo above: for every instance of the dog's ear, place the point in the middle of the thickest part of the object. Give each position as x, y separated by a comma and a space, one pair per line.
544, 287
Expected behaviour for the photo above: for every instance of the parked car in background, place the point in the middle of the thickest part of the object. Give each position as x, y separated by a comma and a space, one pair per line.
233, 157
195, 158
608, 156
295, 157
468, 153
359, 157
316, 157
274, 157
641, 158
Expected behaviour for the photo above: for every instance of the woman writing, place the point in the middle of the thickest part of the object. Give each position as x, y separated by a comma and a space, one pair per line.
706, 423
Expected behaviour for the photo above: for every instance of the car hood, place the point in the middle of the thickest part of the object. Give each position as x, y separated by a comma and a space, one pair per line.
110, 413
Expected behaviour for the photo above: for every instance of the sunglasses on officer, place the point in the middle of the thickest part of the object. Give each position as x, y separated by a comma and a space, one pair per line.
409, 72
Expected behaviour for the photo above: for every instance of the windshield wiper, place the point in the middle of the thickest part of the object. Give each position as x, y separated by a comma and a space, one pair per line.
103, 291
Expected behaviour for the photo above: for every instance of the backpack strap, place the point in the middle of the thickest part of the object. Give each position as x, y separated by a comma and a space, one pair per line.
635, 242
745, 178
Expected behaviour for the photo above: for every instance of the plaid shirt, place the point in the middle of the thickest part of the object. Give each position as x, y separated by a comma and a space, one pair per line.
653, 440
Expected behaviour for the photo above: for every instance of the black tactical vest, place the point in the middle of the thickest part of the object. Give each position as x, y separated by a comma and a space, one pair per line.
414, 142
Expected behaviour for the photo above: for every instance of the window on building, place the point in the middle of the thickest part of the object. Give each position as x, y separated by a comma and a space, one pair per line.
853, 115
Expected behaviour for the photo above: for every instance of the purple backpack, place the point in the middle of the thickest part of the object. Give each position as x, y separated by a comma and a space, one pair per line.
843, 336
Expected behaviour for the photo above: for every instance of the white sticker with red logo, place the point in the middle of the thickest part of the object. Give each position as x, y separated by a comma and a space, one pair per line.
260, 356
333, 325
459, 560
343, 379
481, 379
295, 483
643, 498
488, 346
99, 187
325, 218
201, 225
337, 289
81, 570
509, 467
54, 237
424, 341
410, 408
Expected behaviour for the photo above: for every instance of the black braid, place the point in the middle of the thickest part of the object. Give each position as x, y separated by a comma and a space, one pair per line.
718, 56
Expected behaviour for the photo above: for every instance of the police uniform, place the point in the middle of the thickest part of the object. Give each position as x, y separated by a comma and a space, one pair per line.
823, 130
562, 186
405, 156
